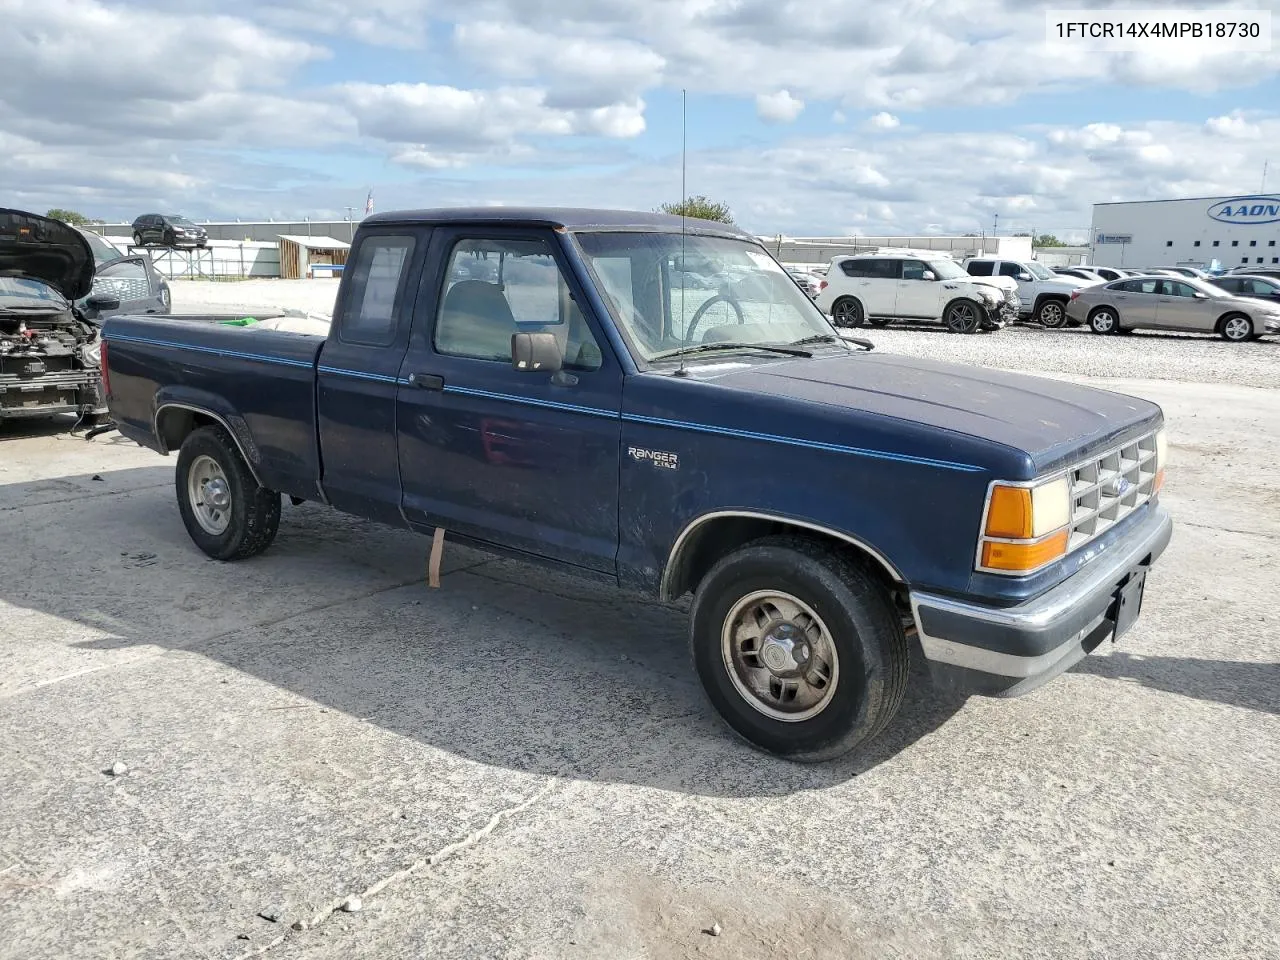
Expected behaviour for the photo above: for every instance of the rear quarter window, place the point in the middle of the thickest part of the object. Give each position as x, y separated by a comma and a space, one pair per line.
980, 268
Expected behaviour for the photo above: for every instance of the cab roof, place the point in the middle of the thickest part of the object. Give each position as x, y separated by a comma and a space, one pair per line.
567, 218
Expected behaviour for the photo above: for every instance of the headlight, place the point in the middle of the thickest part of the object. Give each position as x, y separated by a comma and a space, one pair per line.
988, 299
1026, 527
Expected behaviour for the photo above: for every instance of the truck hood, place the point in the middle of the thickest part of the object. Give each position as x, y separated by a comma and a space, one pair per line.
1046, 419
39, 248
1063, 286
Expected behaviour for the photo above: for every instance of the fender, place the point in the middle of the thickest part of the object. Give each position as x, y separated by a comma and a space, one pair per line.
179, 397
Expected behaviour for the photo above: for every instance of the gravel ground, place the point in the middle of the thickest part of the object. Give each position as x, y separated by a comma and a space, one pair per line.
1146, 355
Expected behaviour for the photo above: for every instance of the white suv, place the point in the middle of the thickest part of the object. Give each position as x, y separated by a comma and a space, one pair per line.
878, 288
1044, 296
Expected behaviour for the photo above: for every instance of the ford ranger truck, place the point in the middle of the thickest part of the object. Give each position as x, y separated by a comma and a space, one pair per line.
651, 401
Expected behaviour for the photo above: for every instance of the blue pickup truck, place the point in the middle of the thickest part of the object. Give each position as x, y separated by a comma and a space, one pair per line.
653, 401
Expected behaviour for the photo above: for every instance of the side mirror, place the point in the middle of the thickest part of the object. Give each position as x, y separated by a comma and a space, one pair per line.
1024, 277
535, 352
103, 301
929, 275
1201, 296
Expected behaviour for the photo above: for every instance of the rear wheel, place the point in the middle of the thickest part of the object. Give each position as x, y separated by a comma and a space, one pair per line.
847, 312
1052, 314
962, 316
137, 239
800, 651
225, 511
1104, 320
1236, 328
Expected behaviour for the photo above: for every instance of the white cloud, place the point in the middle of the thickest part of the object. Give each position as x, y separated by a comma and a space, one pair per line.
838, 117
780, 107
884, 121
1233, 126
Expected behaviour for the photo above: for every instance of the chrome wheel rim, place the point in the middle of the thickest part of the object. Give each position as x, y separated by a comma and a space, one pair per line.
209, 494
1237, 328
1103, 322
780, 656
1051, 315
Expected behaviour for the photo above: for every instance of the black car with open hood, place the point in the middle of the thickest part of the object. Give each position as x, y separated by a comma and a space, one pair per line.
49, 350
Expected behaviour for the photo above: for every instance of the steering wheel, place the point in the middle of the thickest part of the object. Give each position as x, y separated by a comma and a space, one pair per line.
701, 311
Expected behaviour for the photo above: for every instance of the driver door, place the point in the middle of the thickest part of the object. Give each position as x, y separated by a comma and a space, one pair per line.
917, 297
522, 460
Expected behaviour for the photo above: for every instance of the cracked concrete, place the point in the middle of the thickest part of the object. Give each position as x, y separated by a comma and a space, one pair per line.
522, 765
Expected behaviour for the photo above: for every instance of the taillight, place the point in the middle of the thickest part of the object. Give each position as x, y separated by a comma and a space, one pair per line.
1074, 294
102, 366
822, 285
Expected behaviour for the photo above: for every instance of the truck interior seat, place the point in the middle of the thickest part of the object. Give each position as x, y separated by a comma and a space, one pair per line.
476, 320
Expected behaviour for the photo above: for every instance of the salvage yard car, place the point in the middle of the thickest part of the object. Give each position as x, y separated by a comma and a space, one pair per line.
828, 506
49, 342
1164, 303
879, 288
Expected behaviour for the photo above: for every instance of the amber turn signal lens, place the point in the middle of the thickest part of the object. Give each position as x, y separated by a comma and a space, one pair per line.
1024, 556
1009, 514
1159, 482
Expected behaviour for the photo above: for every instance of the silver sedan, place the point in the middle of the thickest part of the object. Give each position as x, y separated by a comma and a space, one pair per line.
1166, 303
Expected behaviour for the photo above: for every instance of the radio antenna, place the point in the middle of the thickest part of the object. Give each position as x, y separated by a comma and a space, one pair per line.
684, 212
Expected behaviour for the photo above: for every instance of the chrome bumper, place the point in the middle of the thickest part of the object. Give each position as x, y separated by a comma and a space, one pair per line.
1008, 651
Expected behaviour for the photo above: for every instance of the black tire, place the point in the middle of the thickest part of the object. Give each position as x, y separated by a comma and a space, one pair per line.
137, 239
847, 312
1052, 314
871, 652
879, 321
1104, 321
1235, 328
253, 511
962, 316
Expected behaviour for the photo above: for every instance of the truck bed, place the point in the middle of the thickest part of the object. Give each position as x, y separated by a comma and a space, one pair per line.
260, 384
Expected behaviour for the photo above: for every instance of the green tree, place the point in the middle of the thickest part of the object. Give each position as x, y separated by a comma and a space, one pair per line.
699, 207
70, 216
1048, 240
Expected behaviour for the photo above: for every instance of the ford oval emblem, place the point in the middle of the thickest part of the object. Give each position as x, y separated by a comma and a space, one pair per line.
1246, 210
1117, 487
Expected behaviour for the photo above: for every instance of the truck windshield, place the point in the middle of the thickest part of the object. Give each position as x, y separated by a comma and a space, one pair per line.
668, 292
1037, 271
947, 270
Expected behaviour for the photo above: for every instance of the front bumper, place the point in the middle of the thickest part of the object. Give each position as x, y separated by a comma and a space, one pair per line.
1009, 651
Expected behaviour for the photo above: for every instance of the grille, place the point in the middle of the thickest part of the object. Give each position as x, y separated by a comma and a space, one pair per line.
1106, 490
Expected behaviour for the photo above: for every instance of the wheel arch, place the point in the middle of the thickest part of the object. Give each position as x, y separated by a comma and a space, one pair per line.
710, 536
1222, 320
176, 420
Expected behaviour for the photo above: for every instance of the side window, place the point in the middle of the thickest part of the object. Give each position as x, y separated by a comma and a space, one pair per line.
855, 268
126, 280
1229, 285
912, 269
980, 268
1262, 288
885, 269
1128, 286
372, 309
1010, 269
1173, 288
1147, 286
494, 288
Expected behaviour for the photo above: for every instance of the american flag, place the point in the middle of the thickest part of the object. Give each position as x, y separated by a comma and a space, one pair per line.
368, 204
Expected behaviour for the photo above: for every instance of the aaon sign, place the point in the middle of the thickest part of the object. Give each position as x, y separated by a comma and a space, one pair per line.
1246, 210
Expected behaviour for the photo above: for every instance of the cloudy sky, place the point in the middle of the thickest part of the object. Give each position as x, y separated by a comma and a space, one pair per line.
813, 117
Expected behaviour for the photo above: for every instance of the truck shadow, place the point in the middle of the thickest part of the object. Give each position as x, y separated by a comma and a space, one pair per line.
1252, 686
505, 664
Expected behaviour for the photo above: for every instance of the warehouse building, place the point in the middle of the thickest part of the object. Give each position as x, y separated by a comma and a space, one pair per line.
1209, 232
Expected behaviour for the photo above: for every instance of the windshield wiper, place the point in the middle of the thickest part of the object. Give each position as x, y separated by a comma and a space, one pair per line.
816, 338
731, 345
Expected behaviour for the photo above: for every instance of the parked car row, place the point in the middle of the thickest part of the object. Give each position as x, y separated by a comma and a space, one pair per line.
987, 293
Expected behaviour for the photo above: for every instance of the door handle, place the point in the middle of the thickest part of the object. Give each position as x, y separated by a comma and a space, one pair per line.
426, 381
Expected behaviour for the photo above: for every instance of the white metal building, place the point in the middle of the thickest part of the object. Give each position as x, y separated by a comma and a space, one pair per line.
1193, 232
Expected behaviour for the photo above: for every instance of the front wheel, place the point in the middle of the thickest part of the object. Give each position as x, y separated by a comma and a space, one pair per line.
137, 239
225, 511
1237, 328
962, 316
799, 650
